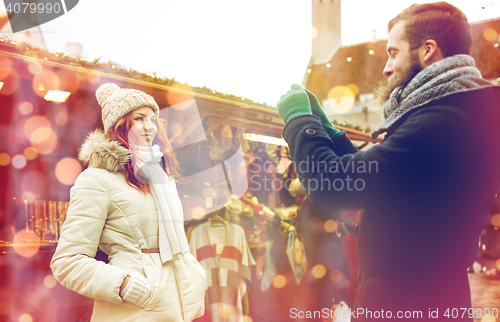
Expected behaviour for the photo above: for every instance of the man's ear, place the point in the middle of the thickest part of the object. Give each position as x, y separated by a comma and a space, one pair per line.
430, 53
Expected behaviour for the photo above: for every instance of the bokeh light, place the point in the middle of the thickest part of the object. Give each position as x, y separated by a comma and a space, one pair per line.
349, 59
35, 68
245, 318
61, 118
45, 81
490, 34
26, 243
30, 153
25, 318
371, 52
344, 98
93, 78
495, 220
40, 135
352, 90
175, 129
198, 213
47, 146
336, 275
49, 281
279, 281
81, 76
26, 108
314, 32
175, 99
224, 311
488, 318
208, 192
11, 82
19, 161
69, 79
330, 226
35, 182
5, 67
57, 96
319, 271
4, 159
328, 65
315, 222
67, 170
28, 54
34, 124
27, 195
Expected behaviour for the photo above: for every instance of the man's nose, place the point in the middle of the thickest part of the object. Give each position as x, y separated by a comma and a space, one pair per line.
388, 69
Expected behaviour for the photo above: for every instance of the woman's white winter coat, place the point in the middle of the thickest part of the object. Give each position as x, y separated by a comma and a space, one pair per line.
106, 212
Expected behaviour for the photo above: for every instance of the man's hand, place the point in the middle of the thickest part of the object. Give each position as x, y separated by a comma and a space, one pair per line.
294, 103
318, 111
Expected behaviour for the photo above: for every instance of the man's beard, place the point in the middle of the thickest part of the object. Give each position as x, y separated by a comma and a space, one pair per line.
401, 79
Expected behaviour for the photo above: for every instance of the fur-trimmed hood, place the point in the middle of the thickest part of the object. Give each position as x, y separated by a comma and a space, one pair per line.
98, 151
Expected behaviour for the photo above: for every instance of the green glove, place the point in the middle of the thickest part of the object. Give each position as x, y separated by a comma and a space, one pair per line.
318, 111
294, 103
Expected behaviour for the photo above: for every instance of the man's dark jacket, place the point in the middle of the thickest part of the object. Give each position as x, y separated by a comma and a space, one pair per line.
426, 188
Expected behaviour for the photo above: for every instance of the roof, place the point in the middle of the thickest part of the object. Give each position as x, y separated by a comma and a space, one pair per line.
219, 108
109, 68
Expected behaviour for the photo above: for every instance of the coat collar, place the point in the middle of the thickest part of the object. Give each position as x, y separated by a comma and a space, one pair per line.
98, 151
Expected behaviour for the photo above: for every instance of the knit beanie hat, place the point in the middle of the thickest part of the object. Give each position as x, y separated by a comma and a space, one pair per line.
117, 102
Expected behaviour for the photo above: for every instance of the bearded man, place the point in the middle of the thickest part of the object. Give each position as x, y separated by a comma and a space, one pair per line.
428, 186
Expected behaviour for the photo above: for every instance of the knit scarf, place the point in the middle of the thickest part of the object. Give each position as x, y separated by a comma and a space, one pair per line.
172, 238
447, 76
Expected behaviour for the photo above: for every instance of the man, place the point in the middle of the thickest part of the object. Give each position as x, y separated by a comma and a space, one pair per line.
427, 187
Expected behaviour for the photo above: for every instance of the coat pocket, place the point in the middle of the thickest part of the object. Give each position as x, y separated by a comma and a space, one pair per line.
191, 286
198, 267
154, 282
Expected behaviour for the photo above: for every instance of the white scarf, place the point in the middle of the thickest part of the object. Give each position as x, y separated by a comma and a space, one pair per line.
172, 237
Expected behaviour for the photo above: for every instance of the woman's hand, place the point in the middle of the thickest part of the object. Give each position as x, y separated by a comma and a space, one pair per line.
136, 290
125, 282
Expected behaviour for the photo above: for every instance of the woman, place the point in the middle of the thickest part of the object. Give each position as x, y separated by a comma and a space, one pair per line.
126, 203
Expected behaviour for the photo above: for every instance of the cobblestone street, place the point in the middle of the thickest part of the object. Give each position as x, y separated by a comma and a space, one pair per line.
485, 294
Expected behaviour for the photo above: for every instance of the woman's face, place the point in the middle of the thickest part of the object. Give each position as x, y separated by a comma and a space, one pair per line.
144, 128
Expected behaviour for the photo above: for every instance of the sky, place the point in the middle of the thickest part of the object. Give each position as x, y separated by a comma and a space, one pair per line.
255, 49
377, 14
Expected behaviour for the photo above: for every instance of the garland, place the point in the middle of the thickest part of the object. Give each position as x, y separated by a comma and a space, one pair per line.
110, 68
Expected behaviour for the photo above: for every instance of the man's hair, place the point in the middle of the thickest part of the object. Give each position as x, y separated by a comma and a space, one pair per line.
440, 21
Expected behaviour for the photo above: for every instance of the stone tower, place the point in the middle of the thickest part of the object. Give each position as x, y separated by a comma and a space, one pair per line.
326, 30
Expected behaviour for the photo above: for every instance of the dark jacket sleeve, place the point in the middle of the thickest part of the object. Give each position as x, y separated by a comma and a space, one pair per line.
415, 159
343, 145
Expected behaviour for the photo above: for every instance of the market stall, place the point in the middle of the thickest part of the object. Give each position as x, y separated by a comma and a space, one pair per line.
48, 106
